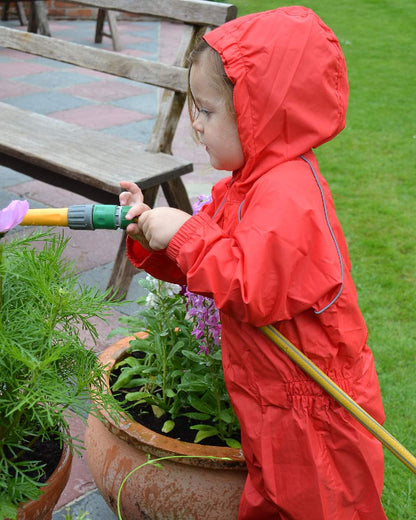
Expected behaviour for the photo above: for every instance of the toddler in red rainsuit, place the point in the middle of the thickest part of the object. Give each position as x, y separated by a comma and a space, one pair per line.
266, 89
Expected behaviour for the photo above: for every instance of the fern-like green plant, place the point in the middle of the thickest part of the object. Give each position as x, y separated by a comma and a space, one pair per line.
46, 370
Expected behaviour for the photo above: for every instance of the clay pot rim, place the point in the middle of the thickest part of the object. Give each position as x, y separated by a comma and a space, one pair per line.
137, 434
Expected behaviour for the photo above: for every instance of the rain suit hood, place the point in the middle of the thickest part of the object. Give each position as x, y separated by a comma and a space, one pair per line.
290, 84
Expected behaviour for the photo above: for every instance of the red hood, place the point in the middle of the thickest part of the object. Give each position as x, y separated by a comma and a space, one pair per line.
291, 88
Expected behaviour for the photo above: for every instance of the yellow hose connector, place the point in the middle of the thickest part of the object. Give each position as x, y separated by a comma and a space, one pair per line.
46, 217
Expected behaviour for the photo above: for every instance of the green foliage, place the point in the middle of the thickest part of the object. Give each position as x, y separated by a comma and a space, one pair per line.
46, 370
81, 515
371, 170
171, 376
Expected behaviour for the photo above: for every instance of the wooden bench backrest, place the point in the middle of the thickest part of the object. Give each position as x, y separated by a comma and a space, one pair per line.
194, 12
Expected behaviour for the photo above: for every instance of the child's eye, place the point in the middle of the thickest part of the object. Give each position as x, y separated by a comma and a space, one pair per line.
204, 112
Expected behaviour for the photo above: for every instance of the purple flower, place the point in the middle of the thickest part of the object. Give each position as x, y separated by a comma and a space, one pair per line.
206, 320
13, 214
201, 201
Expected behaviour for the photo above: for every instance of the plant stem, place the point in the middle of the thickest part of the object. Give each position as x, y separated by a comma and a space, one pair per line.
154, 462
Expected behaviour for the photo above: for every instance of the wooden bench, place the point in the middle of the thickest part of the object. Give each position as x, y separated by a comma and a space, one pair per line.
92, 163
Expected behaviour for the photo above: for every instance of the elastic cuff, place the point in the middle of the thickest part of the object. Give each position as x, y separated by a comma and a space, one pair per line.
187, 230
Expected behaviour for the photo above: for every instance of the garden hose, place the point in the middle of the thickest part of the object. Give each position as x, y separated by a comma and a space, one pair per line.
82, 216
341, 397
102, 216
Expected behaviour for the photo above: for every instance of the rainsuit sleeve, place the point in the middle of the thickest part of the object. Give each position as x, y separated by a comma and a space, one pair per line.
282, 258
155, 263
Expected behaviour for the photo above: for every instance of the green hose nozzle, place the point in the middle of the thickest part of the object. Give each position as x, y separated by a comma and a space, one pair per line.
82, 216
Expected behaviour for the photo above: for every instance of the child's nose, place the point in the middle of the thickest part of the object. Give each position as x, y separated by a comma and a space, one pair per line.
196, 125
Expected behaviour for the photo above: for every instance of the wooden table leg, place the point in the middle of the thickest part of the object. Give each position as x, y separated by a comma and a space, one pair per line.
112, 24
176, 195
38, 20
21, 13
5, 13
99, 26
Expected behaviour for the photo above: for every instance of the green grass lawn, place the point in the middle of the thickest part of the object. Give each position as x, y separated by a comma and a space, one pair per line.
371, 168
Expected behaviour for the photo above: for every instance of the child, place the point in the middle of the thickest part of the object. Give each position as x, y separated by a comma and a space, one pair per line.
266, 89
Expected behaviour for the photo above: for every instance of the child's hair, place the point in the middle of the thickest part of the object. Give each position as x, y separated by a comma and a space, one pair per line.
219, 77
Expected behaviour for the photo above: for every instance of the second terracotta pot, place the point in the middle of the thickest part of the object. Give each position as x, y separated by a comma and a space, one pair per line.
42, 508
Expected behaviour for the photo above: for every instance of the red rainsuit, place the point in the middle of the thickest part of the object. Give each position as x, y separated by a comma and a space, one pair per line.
269, 249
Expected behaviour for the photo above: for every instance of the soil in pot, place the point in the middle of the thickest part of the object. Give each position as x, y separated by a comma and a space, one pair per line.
56, 460
48, 452
143, 414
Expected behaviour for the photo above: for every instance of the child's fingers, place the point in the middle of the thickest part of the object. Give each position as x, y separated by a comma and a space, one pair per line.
136, 211
133, 189
136, 233
130, 186
133, 230
124, 198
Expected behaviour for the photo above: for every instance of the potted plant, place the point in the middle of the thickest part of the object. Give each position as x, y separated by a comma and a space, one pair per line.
172, 377
46, 369
167, 374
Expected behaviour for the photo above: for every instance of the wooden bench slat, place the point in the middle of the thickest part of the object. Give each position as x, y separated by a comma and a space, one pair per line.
196, 12
130, 67
84, 155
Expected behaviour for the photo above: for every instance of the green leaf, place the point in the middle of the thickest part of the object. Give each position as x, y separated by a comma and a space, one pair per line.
124, 378
217, 355
137, 396
117, 331
198, 416
134, 383
157, 411
130, 361
233, 443
175, 374
193, 382
7, 509
226, 416
193, 386
204, 434
175, 349
204, 427
192, 356
168, 426
200, 405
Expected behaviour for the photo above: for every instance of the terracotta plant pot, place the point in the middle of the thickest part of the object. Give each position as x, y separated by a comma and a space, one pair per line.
183, 489
43, 507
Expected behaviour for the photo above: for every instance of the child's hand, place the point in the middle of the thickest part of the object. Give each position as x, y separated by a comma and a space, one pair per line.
134, 197
160, 224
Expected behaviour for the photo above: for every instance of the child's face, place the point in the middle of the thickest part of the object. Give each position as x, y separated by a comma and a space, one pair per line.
215, 123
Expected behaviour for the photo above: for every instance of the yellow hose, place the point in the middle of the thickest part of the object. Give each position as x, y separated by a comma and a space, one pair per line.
46, 217
341, 397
